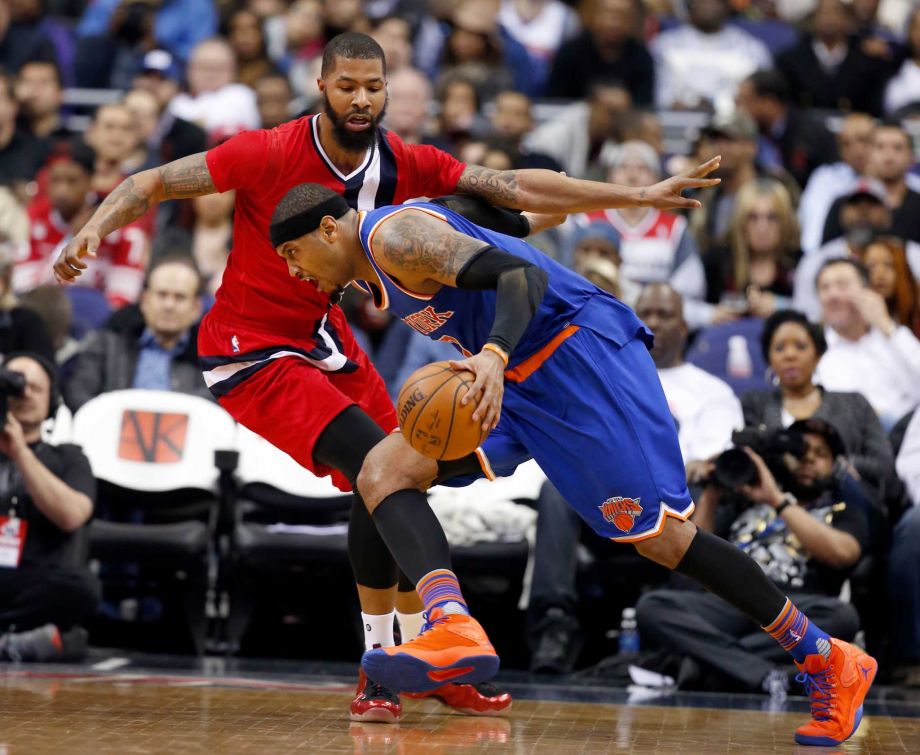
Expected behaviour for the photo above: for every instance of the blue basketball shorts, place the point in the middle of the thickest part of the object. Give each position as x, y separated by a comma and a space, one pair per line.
594, 416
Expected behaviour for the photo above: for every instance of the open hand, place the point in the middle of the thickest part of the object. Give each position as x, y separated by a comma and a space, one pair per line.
70, 265
874, 310
487, 389
667, 194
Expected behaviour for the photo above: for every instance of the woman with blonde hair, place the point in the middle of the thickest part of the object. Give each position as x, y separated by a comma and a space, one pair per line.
890, 275
764, 249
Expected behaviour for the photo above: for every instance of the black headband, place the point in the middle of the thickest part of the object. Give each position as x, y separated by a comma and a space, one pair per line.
307, 221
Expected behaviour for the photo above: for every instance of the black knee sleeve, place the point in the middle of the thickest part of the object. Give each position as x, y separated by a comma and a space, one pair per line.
731, 574
344, 445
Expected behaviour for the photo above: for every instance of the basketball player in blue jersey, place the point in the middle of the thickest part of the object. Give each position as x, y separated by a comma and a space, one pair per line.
564, 376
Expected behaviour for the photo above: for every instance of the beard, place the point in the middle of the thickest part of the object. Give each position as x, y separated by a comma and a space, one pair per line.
353, 141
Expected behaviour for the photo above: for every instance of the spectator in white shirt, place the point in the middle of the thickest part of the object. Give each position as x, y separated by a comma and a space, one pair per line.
829, 182
867, 352
904, 88
702, 63
705, 408
215, 101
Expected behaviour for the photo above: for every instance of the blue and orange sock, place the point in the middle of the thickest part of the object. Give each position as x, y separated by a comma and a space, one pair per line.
797, 635
441, 589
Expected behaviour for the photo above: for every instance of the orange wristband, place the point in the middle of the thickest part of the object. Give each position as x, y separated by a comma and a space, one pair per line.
498, 350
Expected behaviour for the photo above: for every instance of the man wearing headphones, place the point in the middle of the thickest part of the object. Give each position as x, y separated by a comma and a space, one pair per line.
46, 498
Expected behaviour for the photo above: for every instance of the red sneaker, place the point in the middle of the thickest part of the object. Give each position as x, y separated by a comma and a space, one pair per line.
483, 699
374, 702
451, 648
837, 687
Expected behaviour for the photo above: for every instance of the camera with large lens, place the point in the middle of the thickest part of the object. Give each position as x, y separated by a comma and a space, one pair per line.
11, 384
734, 468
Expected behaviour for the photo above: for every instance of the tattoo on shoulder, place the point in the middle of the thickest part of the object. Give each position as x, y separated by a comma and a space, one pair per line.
417, 245
187, 177
497, 187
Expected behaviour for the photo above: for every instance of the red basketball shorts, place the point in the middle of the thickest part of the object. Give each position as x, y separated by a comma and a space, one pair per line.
288, 390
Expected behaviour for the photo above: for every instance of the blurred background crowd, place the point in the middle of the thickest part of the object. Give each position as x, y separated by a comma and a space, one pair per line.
790, 300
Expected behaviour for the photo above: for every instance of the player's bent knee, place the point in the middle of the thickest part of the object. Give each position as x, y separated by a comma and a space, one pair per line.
669, 547
391, 466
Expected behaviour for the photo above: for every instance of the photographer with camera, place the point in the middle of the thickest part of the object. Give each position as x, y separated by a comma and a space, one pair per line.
797, 512
46, 498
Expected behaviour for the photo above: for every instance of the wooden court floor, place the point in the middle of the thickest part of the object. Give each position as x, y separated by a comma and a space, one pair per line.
137, 713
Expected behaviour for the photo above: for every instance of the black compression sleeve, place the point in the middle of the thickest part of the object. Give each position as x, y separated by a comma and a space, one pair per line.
519, 287
509, 222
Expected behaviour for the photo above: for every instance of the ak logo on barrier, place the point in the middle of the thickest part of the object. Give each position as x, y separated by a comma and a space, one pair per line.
153, 437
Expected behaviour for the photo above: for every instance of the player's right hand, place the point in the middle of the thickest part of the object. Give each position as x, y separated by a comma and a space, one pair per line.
69, 264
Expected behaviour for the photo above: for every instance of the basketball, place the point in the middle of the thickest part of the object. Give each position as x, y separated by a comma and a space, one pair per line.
431, 416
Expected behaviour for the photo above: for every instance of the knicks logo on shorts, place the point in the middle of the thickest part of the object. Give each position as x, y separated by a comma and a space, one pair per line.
621, 512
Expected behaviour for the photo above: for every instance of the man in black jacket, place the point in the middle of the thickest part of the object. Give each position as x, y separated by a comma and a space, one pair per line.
155, 347
47, 494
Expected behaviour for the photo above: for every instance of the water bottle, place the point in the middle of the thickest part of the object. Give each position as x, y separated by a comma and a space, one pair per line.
739, 364
629, 632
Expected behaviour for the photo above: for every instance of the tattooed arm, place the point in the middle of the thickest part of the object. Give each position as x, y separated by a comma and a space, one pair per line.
544, 191
421, 251
181, 179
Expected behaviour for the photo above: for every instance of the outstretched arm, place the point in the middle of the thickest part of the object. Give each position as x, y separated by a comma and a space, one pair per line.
181, 179
552, 193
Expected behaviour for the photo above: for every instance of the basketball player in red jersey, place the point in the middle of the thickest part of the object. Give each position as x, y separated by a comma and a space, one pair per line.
279, 356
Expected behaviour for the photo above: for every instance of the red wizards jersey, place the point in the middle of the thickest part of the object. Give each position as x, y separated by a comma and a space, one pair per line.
120, 260
256, 292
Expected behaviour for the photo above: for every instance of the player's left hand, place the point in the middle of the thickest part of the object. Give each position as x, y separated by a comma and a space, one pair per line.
667, 194
766, 489
487, 389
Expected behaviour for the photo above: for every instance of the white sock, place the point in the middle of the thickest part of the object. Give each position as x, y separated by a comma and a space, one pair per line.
410, 624
378, 630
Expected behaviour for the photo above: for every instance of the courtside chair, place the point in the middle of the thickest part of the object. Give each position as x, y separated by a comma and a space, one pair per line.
153, 456
288, 530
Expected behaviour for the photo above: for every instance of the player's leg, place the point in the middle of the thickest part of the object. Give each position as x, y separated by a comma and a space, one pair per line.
621, 405
453, 646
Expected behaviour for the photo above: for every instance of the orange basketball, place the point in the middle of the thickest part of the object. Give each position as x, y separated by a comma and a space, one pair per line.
430, 414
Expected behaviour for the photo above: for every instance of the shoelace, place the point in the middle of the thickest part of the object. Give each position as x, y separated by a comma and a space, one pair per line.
375, 690
820, 689
430, 623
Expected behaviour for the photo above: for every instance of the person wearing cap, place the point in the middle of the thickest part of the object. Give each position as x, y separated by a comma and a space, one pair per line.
172, 137
122, 257
891, 156
863, 213
806, 526
734, 136
655, 246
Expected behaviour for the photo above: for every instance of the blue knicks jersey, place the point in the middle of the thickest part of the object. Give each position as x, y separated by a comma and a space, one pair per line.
464, 317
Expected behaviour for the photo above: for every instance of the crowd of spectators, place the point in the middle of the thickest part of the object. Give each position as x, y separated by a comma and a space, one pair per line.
813, 233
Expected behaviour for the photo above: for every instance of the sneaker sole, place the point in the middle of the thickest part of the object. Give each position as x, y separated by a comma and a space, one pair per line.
830, 741
375, 715
407, 673
494, 712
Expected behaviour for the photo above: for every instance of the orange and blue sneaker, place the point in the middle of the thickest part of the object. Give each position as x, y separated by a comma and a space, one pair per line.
837, 685
452, 647
374, 703
483, 699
